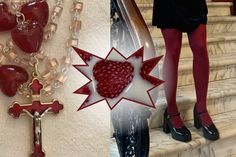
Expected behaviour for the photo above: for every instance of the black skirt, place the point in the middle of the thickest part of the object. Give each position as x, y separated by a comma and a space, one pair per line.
185, 15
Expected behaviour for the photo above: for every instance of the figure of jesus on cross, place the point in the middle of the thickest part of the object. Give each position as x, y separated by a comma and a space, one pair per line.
36, 110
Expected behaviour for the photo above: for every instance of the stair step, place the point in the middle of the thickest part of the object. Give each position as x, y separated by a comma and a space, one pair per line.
216, 25
214, 9
162, 145
221, 68
221, 98
144, 1
151, 1
217, 44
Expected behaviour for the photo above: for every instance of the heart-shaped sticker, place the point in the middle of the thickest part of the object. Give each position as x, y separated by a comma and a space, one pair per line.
11, 77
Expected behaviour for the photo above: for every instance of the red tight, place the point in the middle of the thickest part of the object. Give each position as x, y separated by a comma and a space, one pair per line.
197, 42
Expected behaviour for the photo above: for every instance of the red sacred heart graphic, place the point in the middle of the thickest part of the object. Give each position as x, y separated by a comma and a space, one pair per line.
112, 77
7, 19
11, 77
28, 37
116, 78
36, 10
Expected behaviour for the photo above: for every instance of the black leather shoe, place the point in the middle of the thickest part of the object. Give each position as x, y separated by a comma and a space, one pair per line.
180, 134
209, 132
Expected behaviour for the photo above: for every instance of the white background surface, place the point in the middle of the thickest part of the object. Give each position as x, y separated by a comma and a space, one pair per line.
69, 134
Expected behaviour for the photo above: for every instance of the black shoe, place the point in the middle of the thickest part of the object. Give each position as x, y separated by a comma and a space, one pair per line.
209, 132
180, 134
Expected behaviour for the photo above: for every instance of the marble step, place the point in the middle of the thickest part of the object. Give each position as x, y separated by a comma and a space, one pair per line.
214, 9
221, 68
216, 25
151, 1
162, 145
144, 1
217, 45
221, 98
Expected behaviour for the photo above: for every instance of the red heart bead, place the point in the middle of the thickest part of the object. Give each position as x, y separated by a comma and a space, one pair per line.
7, 19
11, 77
36, 10
28, 37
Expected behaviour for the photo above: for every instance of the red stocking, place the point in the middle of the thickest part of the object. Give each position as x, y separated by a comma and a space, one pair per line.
197, 41
173, 39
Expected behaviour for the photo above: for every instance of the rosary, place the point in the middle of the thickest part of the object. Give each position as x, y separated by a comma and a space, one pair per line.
25, 68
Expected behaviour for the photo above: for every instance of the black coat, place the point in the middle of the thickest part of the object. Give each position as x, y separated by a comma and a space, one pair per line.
185, 15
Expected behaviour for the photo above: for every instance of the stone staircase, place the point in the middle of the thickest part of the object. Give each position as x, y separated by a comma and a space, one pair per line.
221, 93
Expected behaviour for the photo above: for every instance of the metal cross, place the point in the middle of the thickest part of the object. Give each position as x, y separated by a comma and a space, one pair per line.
36, 110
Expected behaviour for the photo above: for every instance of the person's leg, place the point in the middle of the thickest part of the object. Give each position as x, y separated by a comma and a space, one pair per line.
202, 119
172, 121
173, 40
198, 44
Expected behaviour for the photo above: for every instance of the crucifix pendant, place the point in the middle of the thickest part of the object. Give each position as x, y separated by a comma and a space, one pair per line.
36, 110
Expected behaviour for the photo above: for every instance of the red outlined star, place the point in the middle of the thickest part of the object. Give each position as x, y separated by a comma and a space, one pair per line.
142, 82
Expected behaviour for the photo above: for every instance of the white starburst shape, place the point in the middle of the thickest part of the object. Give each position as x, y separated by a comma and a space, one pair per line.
120, 78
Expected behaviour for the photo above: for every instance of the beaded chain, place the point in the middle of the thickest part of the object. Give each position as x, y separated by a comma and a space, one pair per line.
54, 74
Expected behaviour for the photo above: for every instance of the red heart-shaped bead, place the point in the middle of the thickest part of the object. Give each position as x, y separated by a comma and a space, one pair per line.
36, 10
11, 77
112, 77
28, 37
7, 19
